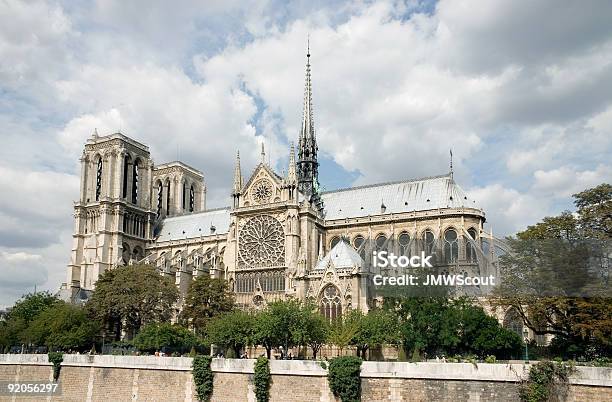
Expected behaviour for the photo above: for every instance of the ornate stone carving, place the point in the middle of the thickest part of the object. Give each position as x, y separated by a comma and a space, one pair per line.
262, 191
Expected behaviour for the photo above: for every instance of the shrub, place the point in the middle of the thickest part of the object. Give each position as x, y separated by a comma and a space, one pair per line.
262, 379
490, 359
203, 377
56, 358
546, 378
344, 379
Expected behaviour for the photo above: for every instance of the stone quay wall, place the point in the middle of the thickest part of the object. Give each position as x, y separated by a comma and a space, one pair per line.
150, 378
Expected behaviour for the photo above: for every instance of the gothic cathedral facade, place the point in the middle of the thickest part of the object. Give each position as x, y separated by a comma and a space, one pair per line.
281, 237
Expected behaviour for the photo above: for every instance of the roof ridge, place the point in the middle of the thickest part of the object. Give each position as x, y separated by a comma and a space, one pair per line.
200, 212
386, 183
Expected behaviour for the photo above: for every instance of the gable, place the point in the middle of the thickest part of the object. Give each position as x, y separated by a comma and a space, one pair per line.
264, 186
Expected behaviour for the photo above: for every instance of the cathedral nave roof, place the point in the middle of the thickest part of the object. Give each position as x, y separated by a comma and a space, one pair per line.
396, 197
195, 225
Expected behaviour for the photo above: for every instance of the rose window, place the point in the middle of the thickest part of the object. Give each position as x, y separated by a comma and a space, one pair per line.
262, 191
262, 242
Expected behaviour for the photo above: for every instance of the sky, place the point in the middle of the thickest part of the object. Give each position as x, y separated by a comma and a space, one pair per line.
520, 90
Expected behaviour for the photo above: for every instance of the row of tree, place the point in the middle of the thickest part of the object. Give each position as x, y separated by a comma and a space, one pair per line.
432, 326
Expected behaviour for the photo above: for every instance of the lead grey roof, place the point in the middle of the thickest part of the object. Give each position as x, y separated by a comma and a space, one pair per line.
195, 225
403, 196
341, 256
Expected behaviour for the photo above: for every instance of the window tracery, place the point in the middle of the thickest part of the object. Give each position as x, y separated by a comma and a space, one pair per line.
330, 305
262, 242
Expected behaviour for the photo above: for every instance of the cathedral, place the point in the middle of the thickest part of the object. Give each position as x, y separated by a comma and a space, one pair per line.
280, 236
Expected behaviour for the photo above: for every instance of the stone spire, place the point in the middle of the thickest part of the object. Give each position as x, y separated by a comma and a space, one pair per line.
237, 187
237, 176
307, 164
291, 172
451, 164
263, 154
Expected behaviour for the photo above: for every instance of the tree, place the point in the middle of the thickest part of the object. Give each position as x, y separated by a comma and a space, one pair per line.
277, 325
427, 324
595, 211
15, 329
206, 298
316, 331
31, 305
231, 330
556, 276
377, 328
482, 334
165, 336
342, 331
64, 326
132, 296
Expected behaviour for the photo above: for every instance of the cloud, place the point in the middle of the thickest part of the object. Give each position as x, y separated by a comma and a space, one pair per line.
565, 181
522, 93
508, 210
20, 272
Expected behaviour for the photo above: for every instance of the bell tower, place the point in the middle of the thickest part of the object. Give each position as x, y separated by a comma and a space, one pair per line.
113, 216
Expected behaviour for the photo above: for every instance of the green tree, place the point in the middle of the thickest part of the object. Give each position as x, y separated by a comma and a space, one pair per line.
277, 325
595, 211
555, 276
341, 332
206, 298
377, 328
165, 336
482, 334
31, 305
133, 296
316, 330
231, 330
14, 330
64, 326
427, 324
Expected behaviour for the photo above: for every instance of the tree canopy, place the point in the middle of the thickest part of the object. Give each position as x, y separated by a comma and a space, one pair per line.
206, 298
133, 296
232, 330
556, 276
63, 327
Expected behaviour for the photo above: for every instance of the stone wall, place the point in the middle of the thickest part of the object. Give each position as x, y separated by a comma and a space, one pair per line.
150, 378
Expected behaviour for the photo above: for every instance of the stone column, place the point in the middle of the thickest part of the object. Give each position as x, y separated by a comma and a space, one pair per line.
83, 188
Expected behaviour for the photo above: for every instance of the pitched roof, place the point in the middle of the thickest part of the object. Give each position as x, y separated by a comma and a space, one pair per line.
195, 225
402, 196
341, 256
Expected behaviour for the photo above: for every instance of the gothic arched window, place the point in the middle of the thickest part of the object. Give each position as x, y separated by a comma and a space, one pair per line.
335, 240
126, 171
359, 244
191, 199
168, 197
381, 243
404, 243
428, 241
470, 248
514, 322
135, 181
99, 179
451, 246
160, 197
330, 305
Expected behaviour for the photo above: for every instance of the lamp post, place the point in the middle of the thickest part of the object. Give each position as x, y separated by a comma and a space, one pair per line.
526, 338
